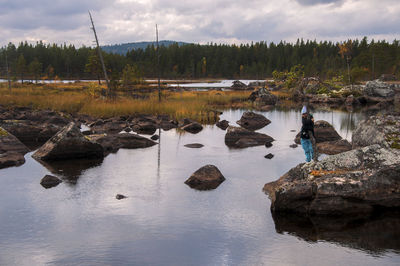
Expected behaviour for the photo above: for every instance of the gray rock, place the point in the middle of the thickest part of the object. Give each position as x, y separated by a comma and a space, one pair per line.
155, 137
383, 130
238, 85
269, 156
120, 197
334, 147
69, 143
206, 178
114, 142
237, 137
355, 182
194, 145
12, 151
145, 127
378, 88
49, 181
193, 128
253, 121
222, 124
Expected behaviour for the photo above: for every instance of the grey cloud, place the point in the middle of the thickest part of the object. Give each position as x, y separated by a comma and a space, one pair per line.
57, 15
317, 2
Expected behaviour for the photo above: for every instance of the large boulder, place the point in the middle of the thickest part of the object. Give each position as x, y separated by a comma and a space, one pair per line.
31, 127
263, 97
206, 178
114, 142
382, 129
377, 88
12, 151
68, 143
334, 147
323, 132
238, 85
359, 181
253, 121
237, 137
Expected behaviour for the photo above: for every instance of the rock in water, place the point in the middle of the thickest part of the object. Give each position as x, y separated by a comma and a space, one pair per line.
155, 137
269, 156
355, 182
193, 127
194, 145
12, 151
69, 143
114, 142
206, 178
253, 121
120, 197
222, 124
49, 181
237, 137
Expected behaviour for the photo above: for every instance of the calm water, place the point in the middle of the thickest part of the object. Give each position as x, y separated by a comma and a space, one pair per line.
164, 222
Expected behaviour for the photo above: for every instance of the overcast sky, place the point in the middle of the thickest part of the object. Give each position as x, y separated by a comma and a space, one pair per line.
198, 21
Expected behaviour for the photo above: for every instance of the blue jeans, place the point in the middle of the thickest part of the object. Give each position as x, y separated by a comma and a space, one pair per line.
307, 147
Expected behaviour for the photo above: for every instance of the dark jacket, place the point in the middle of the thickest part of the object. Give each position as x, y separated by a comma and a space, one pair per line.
307, 126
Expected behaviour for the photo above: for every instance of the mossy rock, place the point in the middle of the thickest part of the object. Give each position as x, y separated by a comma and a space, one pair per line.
3, 132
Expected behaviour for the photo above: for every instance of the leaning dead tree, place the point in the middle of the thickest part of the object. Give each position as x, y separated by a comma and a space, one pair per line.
100, 55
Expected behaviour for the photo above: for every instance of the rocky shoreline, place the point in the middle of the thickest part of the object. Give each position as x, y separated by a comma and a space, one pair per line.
361, 181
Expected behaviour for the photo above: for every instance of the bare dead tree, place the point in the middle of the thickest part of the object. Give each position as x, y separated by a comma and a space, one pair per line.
100, 54
158, 66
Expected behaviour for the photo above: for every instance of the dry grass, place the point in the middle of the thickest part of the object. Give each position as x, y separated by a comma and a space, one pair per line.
85, 98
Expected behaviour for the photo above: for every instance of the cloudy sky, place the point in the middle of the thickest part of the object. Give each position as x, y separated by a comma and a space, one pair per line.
199, 21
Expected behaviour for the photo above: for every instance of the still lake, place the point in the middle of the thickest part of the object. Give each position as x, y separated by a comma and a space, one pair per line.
164, 222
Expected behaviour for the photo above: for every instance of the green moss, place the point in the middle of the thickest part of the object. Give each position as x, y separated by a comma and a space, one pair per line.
393, 140
3, 133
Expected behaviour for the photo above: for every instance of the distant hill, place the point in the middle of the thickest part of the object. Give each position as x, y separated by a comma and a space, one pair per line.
123, 48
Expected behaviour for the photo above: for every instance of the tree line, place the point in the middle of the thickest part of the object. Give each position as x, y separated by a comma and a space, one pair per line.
362, 59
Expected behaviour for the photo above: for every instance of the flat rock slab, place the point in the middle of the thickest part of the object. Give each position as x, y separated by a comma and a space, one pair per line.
253, 121
69, 143
49, 181
194, 145
237, 137
206, 178
114, 142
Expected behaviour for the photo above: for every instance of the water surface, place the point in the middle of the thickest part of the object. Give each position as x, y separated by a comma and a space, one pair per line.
164, 222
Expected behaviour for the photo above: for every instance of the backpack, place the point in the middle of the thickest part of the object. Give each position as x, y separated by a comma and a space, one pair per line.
304, 135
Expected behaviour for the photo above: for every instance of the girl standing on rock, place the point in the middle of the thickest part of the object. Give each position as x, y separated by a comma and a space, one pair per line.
307, 129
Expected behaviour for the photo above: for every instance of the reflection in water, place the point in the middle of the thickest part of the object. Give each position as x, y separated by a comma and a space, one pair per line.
164, 222
365, 234
71, 170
